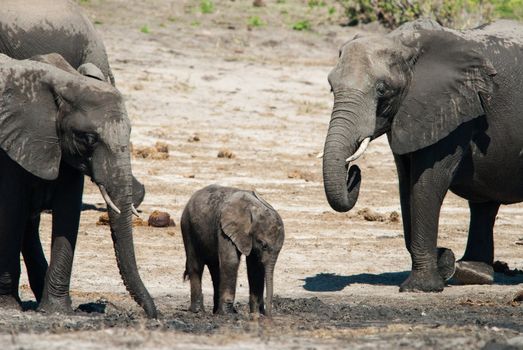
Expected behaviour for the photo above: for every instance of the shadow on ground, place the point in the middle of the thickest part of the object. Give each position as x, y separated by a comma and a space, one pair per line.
329, 282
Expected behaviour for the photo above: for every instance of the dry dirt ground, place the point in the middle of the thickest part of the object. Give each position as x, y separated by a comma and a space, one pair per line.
262, 94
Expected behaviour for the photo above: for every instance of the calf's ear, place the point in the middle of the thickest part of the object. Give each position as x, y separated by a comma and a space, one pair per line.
236, 221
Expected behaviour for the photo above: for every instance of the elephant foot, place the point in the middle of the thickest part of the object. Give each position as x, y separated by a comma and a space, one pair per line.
474, 272
446, 263
255, 308
226, 308
423, 281
51, 305
197, 306
10, 302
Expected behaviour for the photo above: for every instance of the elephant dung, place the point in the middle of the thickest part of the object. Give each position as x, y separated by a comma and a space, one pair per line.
371, 215
194, 138
302, 175
103, 220
158, 152
225, 153
160, 219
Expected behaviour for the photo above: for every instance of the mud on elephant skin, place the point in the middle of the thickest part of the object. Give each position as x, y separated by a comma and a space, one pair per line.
450, 103
55, 127
218, 225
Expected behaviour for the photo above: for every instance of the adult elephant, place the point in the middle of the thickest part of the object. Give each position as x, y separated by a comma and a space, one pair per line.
37, 27
451, 104
55, 126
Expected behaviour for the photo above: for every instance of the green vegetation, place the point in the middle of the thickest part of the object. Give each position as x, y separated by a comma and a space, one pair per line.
302, 25
255, 21
512, 9
206, 6
452, 13
145, 29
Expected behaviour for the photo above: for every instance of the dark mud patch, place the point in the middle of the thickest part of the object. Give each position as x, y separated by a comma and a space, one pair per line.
295, 314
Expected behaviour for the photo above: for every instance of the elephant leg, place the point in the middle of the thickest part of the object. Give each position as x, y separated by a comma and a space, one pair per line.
431, 173
15, 194
256, 275
403, 169
446, 258
229, 263
66, 205
34, 257
475, 267
214, 269
193, 265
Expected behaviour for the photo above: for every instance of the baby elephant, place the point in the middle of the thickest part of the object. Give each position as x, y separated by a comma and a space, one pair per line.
218, 225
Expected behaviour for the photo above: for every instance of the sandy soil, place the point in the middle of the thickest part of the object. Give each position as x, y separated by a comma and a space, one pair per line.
263, 95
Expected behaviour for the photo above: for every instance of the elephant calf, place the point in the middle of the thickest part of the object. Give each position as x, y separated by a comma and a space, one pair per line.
218, 225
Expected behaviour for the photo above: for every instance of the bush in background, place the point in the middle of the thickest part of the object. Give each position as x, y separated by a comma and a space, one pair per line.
450, 13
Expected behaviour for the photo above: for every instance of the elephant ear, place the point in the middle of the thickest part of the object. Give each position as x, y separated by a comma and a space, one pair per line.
262, 201
56, 60
236, 220
451, 80
28, 113
92, 71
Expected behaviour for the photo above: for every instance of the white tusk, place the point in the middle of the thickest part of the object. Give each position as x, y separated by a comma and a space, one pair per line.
320, 155
108, 200
135, 212
360, 151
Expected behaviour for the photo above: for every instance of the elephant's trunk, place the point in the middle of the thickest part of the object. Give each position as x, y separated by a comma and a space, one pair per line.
269, 286
120, 191
347, 138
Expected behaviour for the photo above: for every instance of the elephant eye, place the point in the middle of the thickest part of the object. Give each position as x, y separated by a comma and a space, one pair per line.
381, 89
87, 138
263, 245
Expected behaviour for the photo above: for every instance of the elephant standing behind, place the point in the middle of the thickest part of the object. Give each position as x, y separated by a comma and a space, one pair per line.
451, 104
37, 27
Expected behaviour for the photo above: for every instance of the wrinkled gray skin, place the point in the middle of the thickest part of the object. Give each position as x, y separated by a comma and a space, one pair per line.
451, 104
37, 27
55, 127
218, 225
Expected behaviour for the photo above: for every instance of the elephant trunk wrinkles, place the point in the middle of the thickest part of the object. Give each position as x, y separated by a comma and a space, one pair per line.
120, 190
269, 285
347, 130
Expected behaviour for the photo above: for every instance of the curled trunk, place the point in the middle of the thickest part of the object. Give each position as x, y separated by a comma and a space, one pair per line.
353, 120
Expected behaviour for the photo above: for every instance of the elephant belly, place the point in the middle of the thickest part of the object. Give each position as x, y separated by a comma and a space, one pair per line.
497, 177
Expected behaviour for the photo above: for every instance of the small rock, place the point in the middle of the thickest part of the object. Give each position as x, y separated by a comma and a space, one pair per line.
160, 219
225, 153
258, 3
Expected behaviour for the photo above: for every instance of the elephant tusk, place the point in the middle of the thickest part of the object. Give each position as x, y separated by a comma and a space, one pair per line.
108, 199
319, 155
360, 150
135, 212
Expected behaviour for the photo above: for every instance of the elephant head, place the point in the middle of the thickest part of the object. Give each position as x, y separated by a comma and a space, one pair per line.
255, 228
417, 84
51, 114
